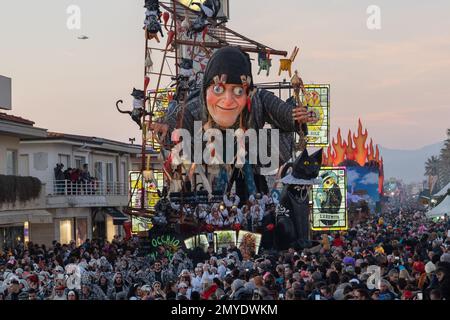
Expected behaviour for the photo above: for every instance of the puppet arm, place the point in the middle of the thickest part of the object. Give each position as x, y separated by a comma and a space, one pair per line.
278, 113
172, 121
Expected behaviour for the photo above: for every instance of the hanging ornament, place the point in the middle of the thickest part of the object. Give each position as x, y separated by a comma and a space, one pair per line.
166, 17
170, 37
185, 24
148, 60
146, 83
286, 64
204, 33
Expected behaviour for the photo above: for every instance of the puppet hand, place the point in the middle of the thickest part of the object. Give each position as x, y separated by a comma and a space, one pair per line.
302, 115
160, 129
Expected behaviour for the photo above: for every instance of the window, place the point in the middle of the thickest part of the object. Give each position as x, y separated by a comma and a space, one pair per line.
109, 177
65, 231
79, 161
124, 176
81, 230
24, 165
109, 173
11, 162
65, 160
98, 171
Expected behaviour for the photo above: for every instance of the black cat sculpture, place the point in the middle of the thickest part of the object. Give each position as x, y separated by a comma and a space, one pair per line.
153, 5
138, 107
199, 24
292, 227
209, 8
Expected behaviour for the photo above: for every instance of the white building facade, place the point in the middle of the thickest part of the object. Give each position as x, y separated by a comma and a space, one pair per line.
65, 210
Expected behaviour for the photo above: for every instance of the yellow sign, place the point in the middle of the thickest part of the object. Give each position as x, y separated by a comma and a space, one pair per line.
317, 100
188, 3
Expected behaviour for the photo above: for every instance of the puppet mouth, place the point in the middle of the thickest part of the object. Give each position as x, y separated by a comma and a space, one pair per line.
227, 109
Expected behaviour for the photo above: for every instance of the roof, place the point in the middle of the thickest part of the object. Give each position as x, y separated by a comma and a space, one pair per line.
96, 142
11, 118
441, 209
19, 127
443, 191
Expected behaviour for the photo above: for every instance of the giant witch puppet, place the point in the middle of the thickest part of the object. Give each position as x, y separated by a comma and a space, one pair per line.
228, 99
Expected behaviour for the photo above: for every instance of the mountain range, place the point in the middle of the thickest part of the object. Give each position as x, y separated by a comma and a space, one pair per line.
408, 165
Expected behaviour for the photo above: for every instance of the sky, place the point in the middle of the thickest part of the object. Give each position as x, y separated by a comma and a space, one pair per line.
394, 79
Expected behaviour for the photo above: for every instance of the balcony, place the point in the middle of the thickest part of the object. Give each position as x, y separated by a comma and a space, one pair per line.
21, 193
64, 193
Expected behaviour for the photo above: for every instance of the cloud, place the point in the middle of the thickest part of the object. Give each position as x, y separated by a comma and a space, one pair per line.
352, 176
370, 178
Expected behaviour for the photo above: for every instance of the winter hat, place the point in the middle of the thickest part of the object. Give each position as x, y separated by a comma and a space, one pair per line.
33, 278
445, 257
430, 267
237, 284
349, 261
182, 285
146, 288
232, 62
419, 266
59, 269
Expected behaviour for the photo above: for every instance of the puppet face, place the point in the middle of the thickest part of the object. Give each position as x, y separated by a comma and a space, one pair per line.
225, 103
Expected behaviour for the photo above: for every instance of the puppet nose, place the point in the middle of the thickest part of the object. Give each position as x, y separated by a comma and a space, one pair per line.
229, 99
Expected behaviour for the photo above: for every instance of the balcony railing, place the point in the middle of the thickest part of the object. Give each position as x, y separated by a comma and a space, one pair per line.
93, 188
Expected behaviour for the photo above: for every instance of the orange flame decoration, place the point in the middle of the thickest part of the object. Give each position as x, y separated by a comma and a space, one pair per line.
360, 143
370, 154
356, 150
339, 149
381, 177
350, 150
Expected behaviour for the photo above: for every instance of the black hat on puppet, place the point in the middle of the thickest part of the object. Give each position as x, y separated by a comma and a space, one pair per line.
231, 62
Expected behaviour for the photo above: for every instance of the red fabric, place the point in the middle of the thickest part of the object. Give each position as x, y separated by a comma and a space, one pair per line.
204, 33
208, 293
166, 17
127, 228
419, 266
146, 83
170, 37
407, 294
33, 278
74, 176
338, 242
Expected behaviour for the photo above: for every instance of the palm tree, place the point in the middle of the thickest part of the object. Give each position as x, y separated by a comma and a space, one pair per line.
432, 169
432, 166
444, 158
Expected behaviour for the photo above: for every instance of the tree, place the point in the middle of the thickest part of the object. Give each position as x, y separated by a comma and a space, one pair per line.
432, 170
432, 166
444, 159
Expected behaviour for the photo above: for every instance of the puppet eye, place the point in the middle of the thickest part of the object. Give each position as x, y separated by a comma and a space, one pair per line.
218, 89
306, 163
238, 91
316, 163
